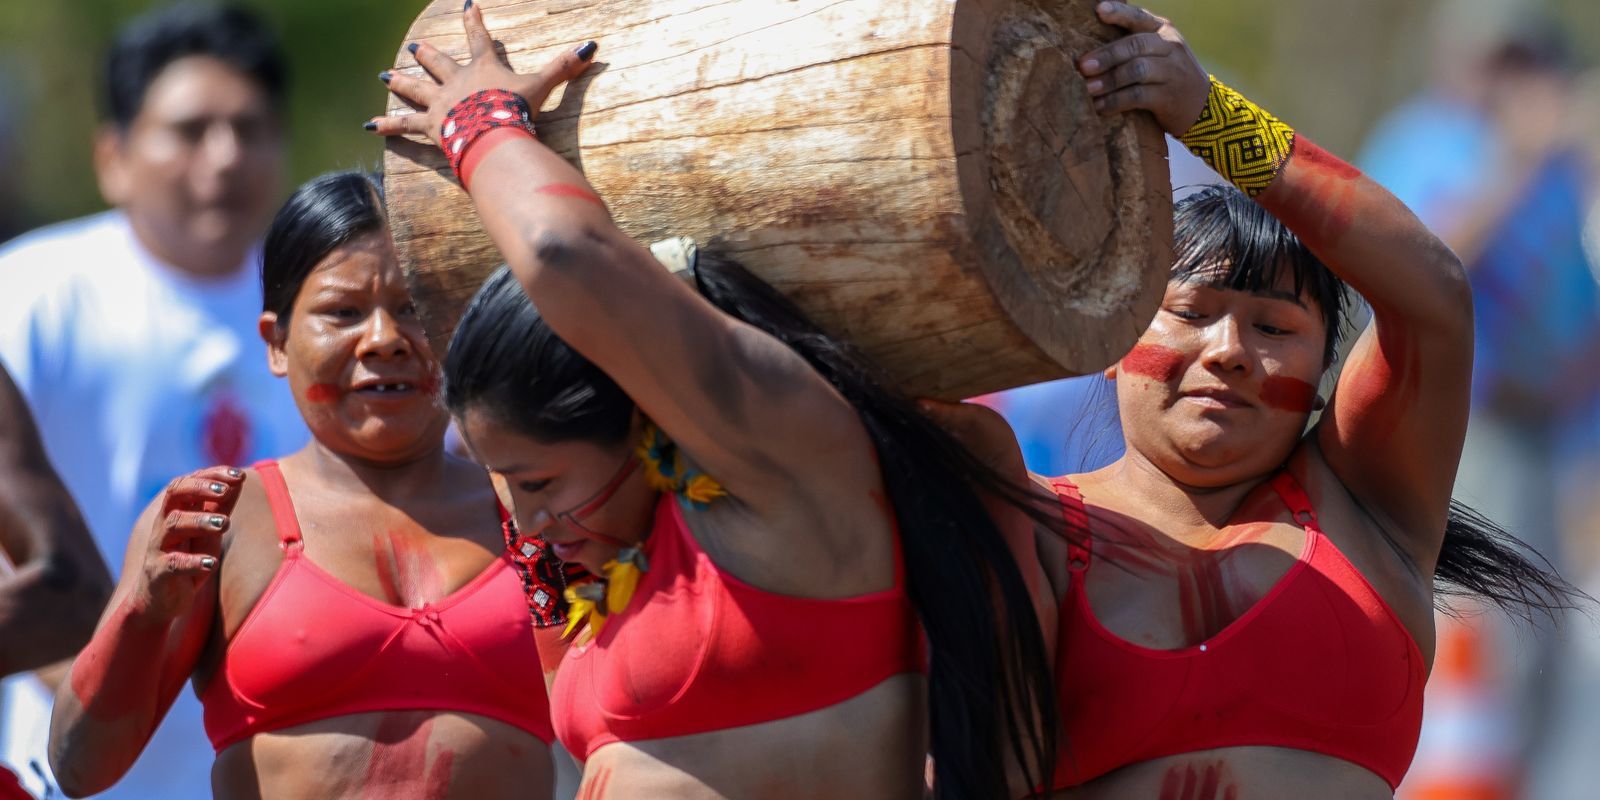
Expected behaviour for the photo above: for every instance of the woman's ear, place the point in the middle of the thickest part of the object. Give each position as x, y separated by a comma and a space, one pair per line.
274, 336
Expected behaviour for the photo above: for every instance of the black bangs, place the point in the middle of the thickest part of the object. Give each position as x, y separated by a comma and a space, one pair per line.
1227, 241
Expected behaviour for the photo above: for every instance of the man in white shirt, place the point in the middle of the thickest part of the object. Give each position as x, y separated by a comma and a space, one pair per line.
132, 333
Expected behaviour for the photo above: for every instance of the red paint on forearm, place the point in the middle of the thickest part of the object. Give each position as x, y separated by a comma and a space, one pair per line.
1288, 394
322, 393
568, 190
1320, 204
118, 671
1153, 361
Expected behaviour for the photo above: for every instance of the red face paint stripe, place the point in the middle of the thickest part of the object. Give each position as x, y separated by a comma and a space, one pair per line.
1153, 361
1288, 394
322, 393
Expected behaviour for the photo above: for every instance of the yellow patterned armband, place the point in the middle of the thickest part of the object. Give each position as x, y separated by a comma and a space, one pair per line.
1239, 140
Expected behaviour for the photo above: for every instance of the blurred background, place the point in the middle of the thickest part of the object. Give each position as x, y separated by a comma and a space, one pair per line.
1483, 115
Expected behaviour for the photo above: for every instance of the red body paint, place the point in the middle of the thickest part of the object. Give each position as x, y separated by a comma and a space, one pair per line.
594, 787
101, 675
1203, 604
1321, 207
568, 190
322, 393
1375, 392
399, 764
1211, 781
1153, 361
430, 385
1313, 156
1288, 394
406, 570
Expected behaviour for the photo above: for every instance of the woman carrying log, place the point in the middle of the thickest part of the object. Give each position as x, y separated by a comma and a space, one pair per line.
352, 615
1252, 614
770, 524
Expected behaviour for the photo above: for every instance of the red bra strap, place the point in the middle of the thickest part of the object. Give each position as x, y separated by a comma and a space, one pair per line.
1077, 518
1295, 497
278, 499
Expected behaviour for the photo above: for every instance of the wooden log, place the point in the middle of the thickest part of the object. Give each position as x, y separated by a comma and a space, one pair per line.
926, 178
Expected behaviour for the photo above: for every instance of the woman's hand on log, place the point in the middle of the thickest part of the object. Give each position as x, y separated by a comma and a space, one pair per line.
449, 83
1151, 68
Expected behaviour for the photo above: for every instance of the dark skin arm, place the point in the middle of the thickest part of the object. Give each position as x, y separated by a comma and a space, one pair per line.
1393, 430
49, 604
776, 420
150, 637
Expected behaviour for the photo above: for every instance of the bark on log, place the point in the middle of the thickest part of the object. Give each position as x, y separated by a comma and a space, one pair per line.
926, 178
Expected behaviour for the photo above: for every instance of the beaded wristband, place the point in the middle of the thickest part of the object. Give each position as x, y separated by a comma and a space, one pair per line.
480, 113
1239, 140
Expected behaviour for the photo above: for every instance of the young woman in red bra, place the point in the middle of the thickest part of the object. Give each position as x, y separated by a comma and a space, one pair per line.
767, 524
1251, 615
351, 616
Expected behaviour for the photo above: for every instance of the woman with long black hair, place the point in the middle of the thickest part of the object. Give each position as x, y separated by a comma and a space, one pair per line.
1251, 614
769, 524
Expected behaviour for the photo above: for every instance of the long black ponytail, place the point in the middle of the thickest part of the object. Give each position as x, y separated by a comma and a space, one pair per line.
990, 684
988, 655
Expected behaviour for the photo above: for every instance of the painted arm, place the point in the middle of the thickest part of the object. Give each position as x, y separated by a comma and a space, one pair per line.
48, 604
150, 637
1394, 428
745, 406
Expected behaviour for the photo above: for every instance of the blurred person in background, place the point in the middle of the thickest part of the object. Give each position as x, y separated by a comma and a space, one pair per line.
132, 332
1504, 180
53, 581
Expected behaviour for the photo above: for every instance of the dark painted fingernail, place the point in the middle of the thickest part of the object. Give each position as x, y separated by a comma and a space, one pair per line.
412, 48
208, 563
586, 52
369, 125
216, 521
234, 473
467, 6
217, 488
385, 76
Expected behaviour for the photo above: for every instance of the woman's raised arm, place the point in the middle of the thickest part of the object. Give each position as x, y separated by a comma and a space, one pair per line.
1394, 427
732, 396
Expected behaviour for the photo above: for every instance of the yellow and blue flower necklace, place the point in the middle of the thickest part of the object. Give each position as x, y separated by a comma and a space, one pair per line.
593, 601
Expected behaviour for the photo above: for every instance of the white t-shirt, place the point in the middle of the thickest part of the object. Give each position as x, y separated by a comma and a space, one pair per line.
137, 373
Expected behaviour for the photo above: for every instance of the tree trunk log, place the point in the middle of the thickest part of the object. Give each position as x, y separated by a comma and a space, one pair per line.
925, 178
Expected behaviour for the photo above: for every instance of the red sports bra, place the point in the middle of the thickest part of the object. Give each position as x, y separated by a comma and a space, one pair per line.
1320, 663
314, 648
698, 650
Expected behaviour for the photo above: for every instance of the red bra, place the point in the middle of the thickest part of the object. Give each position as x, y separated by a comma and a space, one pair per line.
314, 648
698, 650
1320, 663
